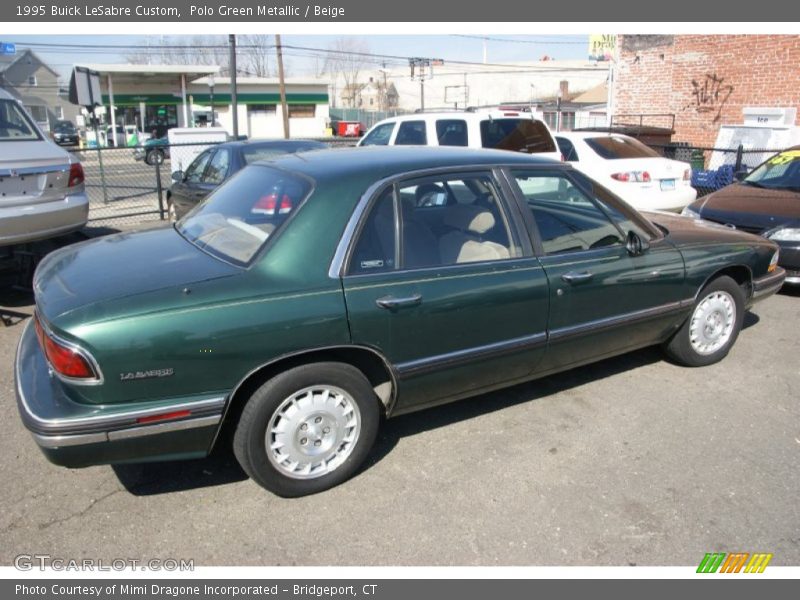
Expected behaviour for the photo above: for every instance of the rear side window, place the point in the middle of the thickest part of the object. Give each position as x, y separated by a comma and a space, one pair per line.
451, 132
379, 136
567, 149
518, 135
411, 133
612, 147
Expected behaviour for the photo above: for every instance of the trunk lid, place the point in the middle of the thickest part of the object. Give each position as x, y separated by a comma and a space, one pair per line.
32, 171
120, 265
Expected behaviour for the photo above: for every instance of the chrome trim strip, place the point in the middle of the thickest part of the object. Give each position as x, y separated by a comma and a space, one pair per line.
61, 441
449, 359
156, 428
764, 285
609, 322
34, 170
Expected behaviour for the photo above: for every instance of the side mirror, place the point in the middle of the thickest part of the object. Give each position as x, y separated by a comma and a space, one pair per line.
635, 244
177, 176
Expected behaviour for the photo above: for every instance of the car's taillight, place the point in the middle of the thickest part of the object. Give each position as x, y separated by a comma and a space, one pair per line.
64, 360
632, 176
269, 204
75, 174
687, 175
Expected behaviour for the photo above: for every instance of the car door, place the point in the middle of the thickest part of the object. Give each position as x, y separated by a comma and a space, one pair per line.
603, 299
186, 192
440, 281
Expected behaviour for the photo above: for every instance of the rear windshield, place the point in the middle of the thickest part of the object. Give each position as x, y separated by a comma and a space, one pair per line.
252, 154
238, 218
15, 125
519, 135
613, 147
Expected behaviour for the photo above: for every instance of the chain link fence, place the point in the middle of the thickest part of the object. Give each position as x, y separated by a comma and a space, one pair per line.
714, 168
127, 187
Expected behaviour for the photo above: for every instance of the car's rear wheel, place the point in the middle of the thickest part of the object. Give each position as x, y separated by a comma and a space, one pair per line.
710, 332
154, 157
307, 429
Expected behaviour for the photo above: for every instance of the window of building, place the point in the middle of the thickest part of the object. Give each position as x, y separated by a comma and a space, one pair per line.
32, 80
302, 111
263, 108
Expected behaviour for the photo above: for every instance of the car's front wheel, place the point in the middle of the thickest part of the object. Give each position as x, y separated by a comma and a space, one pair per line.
710, 332
308, 429
154, 157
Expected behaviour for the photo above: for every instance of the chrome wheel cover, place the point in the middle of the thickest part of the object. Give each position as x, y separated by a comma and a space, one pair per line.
712, 323
313, 432
173, 215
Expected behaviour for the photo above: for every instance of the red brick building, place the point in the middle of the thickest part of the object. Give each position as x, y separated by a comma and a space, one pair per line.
704, 80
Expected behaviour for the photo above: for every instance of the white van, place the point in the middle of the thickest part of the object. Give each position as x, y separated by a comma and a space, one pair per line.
41, 185
499, 129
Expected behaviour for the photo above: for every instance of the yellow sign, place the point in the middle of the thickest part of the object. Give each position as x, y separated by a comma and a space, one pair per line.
602, 46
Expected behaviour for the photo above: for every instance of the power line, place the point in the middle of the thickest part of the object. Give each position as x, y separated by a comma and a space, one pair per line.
509, 41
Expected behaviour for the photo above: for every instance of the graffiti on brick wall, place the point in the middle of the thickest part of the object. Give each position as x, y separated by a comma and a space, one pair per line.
710, 95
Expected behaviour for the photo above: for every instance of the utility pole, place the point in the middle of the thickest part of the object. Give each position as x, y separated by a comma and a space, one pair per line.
282, 86
234, 99
418, 71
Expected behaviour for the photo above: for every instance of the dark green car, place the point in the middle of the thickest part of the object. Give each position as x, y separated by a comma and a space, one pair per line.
380, 281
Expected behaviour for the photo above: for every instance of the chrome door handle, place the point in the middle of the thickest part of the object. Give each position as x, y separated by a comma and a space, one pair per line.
391, 302
577, 276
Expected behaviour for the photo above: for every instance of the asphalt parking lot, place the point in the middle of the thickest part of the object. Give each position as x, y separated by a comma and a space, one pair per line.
633, 461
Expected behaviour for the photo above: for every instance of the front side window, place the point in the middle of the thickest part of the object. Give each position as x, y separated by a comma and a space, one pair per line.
567, 219
217, 168
15, 125
194, 174
238, 218
518, 135
379, 136
411, 133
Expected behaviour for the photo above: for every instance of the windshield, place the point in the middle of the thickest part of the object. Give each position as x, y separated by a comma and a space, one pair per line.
613, 147
64, 127
238, 218
15, 125
782, 171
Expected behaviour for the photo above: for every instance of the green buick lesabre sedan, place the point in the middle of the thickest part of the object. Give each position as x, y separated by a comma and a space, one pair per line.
313, 295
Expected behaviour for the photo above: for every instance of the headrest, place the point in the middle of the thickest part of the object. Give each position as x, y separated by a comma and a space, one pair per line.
469, 218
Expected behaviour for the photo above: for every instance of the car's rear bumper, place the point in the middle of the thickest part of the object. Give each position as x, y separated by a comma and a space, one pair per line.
73, 434
655, 199
41, 220
765, 286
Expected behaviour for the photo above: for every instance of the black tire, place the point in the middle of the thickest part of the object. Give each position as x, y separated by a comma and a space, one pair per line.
250, 437
154, 157
680, 347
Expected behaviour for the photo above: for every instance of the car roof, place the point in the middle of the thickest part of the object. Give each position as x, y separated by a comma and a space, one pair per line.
583, 135
4, 95
480, 115
378, 162
271, 143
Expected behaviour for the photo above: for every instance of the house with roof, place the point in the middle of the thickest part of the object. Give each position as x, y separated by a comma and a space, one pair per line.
29, 79
374, 95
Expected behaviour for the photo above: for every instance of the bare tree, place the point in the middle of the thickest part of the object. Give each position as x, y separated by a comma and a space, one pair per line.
347, 57
181, 50
254, 51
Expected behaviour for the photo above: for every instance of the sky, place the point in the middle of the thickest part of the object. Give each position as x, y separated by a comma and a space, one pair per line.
500, 48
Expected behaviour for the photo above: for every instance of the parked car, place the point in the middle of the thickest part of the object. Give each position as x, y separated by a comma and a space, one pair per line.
634, 172
497, 129
65, 134
41, 185
218, 163
397, 279
154, 151
767, 203
127, 135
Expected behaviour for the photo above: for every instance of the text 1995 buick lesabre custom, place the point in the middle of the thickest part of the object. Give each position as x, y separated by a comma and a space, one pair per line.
395, 279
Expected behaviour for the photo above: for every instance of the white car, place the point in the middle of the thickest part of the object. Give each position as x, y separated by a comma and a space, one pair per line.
634, 172
499, 129
41, 185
